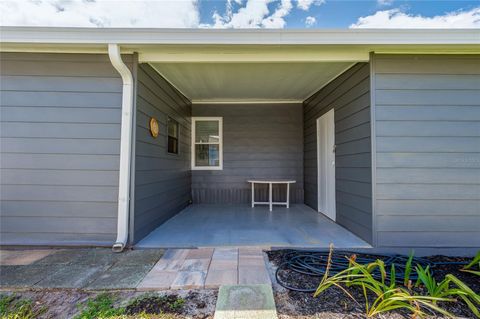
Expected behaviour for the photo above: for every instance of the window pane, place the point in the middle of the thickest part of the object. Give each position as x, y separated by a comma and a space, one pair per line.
172, 145
207, 155
172, 128
206, 132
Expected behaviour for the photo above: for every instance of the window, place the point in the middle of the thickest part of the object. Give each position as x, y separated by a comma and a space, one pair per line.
207, 143
172, 133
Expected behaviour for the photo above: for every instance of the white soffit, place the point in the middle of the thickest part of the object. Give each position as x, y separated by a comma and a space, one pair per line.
230, 82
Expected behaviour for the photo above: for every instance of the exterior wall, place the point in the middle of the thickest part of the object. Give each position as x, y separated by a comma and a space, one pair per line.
427, 111
60, 144
162, 180
349, 95
261, 141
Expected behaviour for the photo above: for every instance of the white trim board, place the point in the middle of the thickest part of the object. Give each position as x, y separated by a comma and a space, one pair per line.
246, 101
220, 143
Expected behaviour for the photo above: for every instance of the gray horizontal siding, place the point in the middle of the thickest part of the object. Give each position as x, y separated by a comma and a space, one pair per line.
60, 143
162, 180
349, 95
428, 150
261, 141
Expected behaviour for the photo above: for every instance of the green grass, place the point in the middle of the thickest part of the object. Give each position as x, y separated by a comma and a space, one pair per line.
100, 307
13, 307
103, 307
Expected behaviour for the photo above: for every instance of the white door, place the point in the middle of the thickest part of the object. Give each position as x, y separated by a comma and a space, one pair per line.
326, 164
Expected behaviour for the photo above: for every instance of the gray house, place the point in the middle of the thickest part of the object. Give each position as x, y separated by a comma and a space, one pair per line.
379, 130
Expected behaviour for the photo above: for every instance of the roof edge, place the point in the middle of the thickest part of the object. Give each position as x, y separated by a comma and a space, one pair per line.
77, 35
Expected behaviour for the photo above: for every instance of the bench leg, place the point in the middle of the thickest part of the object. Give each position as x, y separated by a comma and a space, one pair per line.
288, 195
253, 195
270, 197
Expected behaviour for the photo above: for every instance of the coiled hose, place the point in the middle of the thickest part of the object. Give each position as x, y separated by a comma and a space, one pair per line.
313, 263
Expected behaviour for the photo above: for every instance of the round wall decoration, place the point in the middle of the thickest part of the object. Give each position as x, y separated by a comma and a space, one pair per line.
154, 127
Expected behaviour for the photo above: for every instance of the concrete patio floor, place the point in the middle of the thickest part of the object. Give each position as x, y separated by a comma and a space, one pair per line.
204, 225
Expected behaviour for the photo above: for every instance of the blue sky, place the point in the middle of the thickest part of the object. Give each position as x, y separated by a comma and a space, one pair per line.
343, 13
243, 13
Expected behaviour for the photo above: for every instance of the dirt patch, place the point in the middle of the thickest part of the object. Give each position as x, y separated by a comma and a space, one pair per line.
334, 303
183, 304
64, 304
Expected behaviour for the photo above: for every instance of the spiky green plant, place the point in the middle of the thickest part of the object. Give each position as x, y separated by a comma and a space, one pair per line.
471, 298
475, 264
387, 297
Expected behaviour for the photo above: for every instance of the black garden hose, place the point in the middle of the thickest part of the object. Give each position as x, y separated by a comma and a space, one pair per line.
313, 263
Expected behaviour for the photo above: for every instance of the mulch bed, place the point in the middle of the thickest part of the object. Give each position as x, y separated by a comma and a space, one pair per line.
63, 304
192, 305
334, 303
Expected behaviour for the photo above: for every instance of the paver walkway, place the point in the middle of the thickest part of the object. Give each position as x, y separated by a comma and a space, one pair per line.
99, 268
93, 268
207, 268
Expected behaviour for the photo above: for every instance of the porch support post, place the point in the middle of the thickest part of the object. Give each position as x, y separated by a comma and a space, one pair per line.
125, 147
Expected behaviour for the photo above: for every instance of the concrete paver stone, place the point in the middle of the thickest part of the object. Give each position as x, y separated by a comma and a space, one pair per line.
245, 301
217, 278
189, 280
250, 251
195, 265
225, 254
179, 254
65, 257
23, 257
253, 275
216, 264
25, 276
157, 280
72, 276
140, 257
200, 253
169, 264
258, 261
120, 277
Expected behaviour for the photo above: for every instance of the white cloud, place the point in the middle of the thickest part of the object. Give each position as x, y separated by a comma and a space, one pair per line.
100, 13
310, 21
276, 20
397, 19
385, 2
255, 14
306, 4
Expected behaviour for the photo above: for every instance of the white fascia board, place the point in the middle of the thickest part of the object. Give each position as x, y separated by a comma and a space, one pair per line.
57, 35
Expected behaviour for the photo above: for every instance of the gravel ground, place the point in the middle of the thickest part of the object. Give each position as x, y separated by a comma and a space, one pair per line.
334, 303
63, 304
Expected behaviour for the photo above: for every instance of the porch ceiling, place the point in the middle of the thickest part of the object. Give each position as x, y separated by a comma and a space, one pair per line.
254, 81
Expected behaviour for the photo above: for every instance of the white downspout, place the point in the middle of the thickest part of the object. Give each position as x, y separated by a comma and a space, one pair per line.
125, 147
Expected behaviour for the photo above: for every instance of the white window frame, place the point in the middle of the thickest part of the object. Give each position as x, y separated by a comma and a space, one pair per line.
220, 143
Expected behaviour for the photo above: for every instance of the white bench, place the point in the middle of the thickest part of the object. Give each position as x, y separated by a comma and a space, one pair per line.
270, 202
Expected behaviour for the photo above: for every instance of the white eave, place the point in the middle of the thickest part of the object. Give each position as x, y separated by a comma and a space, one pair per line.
241, 45
71, 35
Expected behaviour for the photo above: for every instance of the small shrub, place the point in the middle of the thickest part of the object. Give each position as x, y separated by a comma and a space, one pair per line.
100, 307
